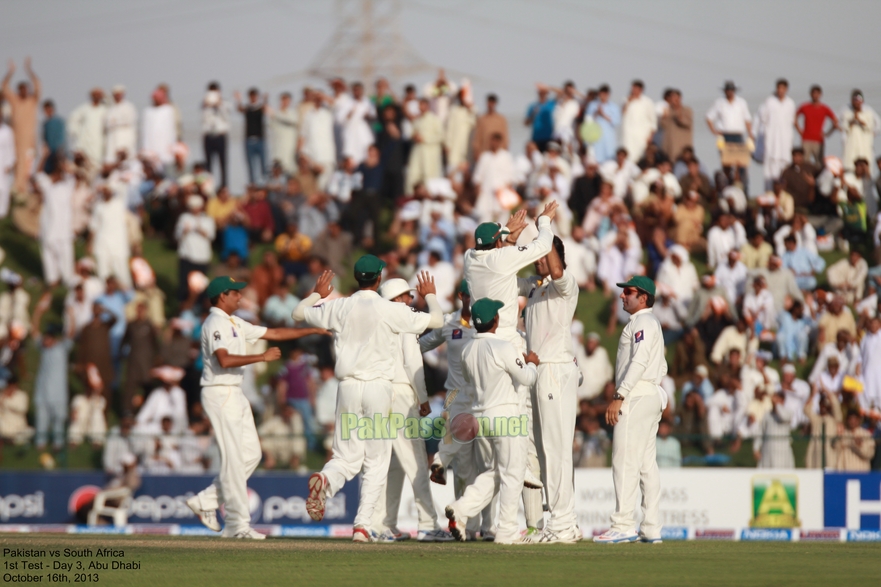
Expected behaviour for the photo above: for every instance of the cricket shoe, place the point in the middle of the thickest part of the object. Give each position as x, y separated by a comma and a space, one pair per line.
647, 540
317, 496
245, 534
439, 535
570, 536
392, 535
455, 520
614, 537
531, 481
362, 534
488, 536
438, 474
207, 517
532, 535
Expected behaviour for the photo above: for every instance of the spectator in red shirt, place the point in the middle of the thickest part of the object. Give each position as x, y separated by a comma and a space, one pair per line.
815, 114
260, 221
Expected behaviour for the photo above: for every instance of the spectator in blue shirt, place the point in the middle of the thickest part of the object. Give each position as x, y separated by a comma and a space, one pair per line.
54, 135
700, 383
540, 115
794, 333
803, 263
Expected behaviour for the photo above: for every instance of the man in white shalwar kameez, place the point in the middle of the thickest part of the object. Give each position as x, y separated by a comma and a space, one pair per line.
460, 123
7, 165
639, 122
859, 125
870, 351
109, 231
357, 134
340, 105
159, 128
775, 120
425, 157
121, 126
494, 170
317, 139
85, 127
283, 134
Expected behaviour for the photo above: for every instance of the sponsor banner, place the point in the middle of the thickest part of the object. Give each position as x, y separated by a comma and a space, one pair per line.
864, 535
821, 536
700, 498
853, 501
711, 534
674, 533
66, 498
766, 535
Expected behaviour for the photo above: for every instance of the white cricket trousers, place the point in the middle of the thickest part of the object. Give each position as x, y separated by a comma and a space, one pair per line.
362, 399
532, 498
468, 460
409, 459
634, 463
233, 423
506, 478
555, 392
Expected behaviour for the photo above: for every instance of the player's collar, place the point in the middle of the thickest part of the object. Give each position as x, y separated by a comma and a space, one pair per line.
639, 313
219, 312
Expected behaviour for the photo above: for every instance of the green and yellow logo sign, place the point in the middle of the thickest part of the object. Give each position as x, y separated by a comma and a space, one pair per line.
775, 502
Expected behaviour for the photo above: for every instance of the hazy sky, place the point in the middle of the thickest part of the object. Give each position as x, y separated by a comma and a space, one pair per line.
504, 46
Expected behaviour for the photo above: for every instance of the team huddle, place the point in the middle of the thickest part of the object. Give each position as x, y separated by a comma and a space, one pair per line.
510, 405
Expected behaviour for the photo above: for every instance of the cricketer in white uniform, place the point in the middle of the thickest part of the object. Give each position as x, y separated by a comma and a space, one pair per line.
224, 341
497, 369
366, 330
467, 459
635, 413
551, 299
491, 272
409, 401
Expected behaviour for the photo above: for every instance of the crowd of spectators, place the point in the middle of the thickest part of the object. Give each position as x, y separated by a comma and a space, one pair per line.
743, 284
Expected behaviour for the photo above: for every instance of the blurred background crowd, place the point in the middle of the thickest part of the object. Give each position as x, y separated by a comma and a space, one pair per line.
113, 227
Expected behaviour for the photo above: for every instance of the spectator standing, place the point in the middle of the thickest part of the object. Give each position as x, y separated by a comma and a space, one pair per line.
121, 126
489, 124
24, 105
855, 446
215, 129
86, 127
639, 122
775, 119
283, 131
159, 128
425, 156
773, 446
608, 116
316, 141
460, 124
870, 351
860, 124
50, 386
142, 341
729, 119
108, 229
296, 388
540, 116
255, 145
811, 130
54, 130
677, 126
194, 232
56, 228
356, 131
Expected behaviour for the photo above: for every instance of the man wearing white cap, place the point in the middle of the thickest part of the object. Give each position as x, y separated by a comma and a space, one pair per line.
85, 127
121, 125
166, 401
109, 232
409, 400
366, 331
194, 232
225, 339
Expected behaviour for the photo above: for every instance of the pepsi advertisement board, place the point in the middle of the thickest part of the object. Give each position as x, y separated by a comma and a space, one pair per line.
66, 498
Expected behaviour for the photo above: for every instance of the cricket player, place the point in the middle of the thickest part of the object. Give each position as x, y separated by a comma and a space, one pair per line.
468, 459
224, 340
409, 400
366, 332
551, 299
491, 272
497, 370
635, 413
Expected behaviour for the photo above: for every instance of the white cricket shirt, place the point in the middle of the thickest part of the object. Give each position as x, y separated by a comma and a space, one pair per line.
493, 365
222, 331
457, 333
640, 355
550, 306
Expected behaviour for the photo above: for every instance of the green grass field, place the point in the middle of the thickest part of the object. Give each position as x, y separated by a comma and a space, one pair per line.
217, 562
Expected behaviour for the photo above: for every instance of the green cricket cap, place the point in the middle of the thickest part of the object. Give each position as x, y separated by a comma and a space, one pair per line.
221, 284
484, 310
368, 267
489, 232
463, 288
640, 282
